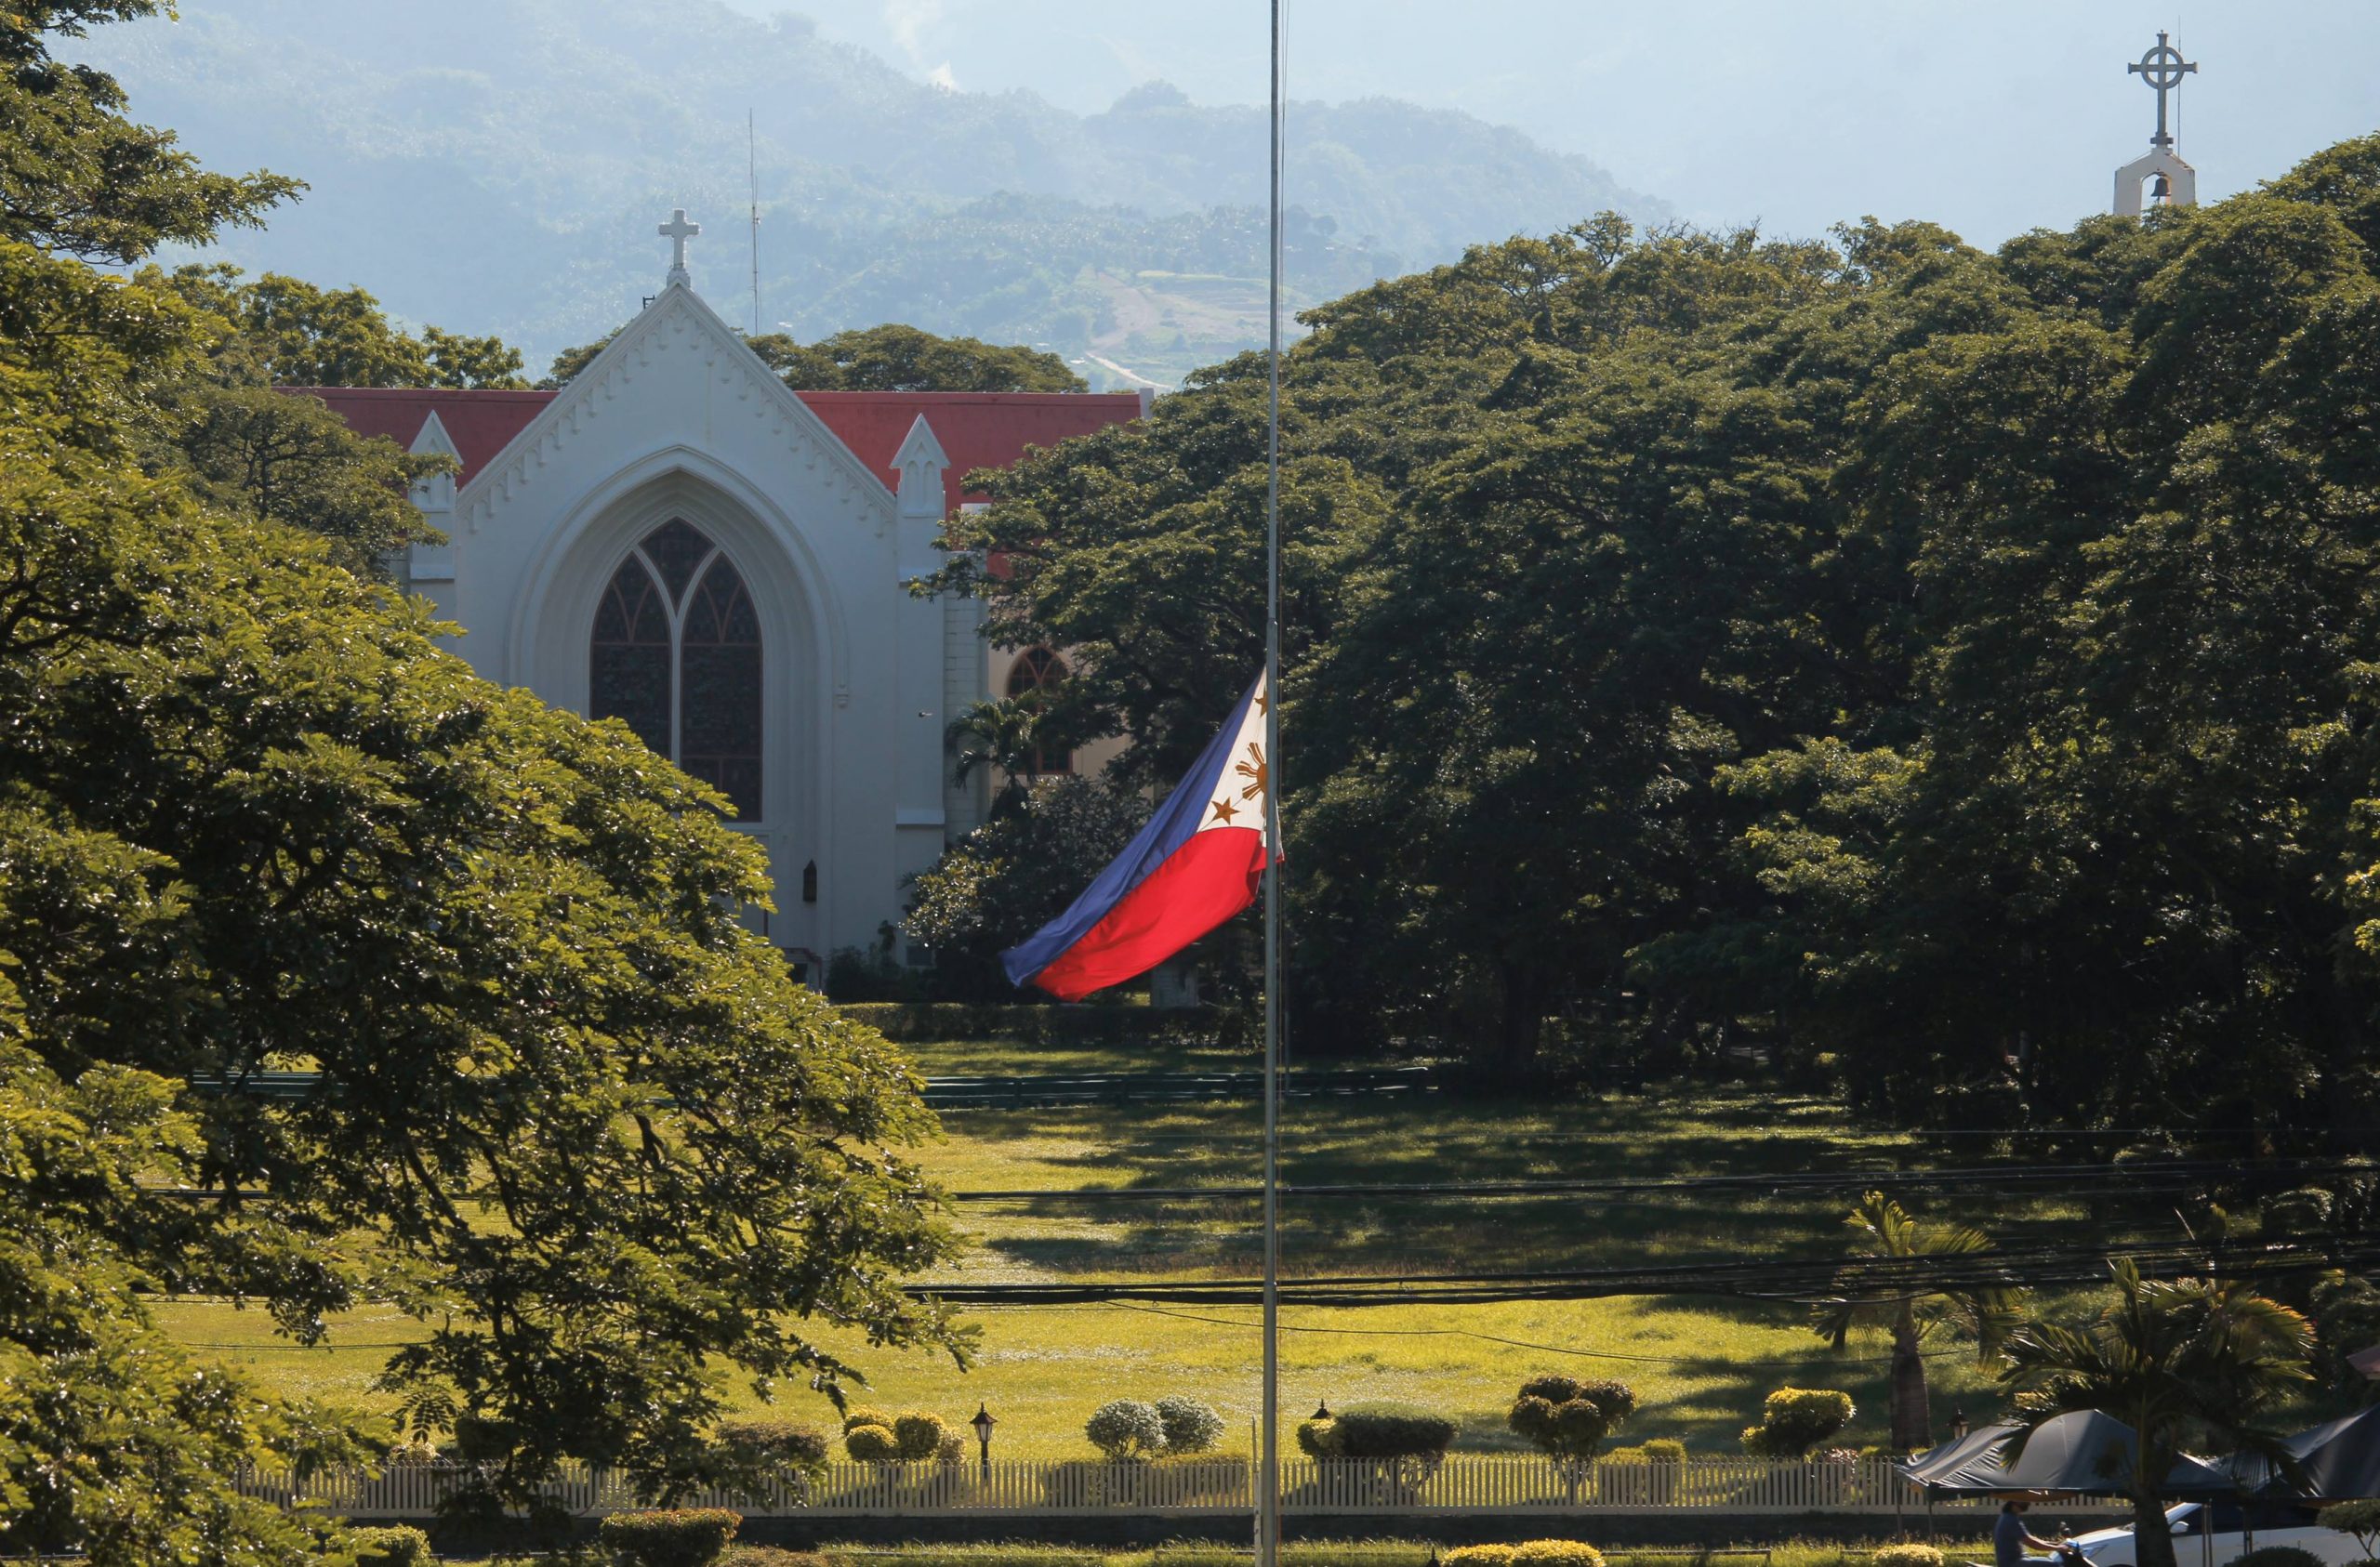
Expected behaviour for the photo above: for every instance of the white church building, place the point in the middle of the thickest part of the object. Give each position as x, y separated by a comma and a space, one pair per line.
678, 540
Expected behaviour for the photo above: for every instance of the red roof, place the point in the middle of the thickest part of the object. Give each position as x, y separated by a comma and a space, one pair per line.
480, 422
977, 429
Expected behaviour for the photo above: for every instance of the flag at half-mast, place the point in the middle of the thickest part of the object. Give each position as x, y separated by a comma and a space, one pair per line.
1199, 861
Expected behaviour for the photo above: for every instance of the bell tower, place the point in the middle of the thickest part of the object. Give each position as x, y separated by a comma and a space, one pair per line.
2168, 180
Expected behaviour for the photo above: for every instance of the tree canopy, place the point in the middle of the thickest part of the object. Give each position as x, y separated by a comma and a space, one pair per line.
887, 358
570, 1115
1952, 662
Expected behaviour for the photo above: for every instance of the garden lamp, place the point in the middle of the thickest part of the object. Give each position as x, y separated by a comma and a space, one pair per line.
983, 1422
1958, 1425
1322, 1411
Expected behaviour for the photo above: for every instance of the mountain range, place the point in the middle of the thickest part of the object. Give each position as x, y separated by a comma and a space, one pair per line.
499, 166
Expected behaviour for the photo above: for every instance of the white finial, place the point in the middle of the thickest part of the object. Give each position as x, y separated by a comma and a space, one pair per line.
677, 231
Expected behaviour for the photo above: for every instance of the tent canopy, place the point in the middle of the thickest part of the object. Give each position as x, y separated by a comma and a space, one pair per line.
2341, 1459
2085, 1452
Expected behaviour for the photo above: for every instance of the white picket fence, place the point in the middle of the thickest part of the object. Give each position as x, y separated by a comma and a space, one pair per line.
1464, 1482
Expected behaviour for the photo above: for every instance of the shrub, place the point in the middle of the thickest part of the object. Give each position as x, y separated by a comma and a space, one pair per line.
1567, 1418
2277, 1556
398, 1546
917, 1434
1479, 1556
872, 1444
1379, 1430
1319, 1439
765, 1445
674, 1537
770, 1556
863, 1415
1906, 1556
1126, 1429
1665, 1450
1190, 1427
2359, 1518
951, 1449
1794, 1420
1555, 1553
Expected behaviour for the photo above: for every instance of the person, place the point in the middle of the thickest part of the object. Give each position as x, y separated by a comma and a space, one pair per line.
2011, 1539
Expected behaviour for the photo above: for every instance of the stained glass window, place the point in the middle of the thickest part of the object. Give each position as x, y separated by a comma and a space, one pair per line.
688, 681
1036, 671
629, 676
719, 739
676, 549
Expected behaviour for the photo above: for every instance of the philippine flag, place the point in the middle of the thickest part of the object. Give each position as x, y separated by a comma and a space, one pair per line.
1199, 861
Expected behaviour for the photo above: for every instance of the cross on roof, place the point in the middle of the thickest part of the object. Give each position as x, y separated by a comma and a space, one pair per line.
677, 231
2163, 68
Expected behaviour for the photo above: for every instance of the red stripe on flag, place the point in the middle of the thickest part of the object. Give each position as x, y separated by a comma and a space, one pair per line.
1201, 885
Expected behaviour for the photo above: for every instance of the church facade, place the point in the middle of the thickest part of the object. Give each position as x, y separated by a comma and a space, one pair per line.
678, 540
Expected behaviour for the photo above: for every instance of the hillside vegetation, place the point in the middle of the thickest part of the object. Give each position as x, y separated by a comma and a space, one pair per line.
502, 166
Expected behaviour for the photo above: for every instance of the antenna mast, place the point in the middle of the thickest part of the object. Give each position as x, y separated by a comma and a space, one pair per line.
752, 167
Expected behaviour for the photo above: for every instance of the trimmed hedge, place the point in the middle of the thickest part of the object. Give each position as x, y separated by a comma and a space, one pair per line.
2277, 1556
669, 1537
772, 1444
872, 1444
1794, 1420
910, 1022
1557, 1553
1906, 1556
397, 1546
917, 1434
1528, 1553
770, 1556
1390, 1432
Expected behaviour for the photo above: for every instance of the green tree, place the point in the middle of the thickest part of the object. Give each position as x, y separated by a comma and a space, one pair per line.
81, 180
1009, 877
2168, 1357
570, 1115
1884, 1230
887, 358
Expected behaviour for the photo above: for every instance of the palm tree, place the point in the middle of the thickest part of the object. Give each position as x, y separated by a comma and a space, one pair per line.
2166, 1357
1885, 1230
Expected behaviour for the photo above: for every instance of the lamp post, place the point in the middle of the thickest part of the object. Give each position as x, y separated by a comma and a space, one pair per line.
983, 1422
1958, 1425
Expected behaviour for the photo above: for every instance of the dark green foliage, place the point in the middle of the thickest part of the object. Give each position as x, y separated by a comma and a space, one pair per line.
887, 358
82, 180
872, 1444
396, 1546
1569, 1419
2277, 1556
917, 1434
1955, 663
676, 1537
748, 1456
1009, 877
556, 1070
1794, 1420
1383, 1430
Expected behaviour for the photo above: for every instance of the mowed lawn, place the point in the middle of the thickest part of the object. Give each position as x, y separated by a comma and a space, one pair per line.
1699, 1366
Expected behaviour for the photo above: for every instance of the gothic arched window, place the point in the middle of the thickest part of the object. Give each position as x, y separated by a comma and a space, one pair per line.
1034, 671
676, 655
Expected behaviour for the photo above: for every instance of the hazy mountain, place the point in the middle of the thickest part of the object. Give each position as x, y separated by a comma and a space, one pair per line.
499, 165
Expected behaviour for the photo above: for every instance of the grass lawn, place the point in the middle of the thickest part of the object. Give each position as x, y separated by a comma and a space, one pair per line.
1699, 1366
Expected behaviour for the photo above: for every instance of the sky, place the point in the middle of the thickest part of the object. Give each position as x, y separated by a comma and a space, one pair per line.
1991, 116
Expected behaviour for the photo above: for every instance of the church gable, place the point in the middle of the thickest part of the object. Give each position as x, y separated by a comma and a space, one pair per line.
672, 334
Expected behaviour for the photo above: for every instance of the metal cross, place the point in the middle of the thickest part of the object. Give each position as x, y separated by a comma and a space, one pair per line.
2163, 68
677, 231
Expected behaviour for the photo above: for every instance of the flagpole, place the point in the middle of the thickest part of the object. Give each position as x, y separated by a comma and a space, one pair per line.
1268, 1492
